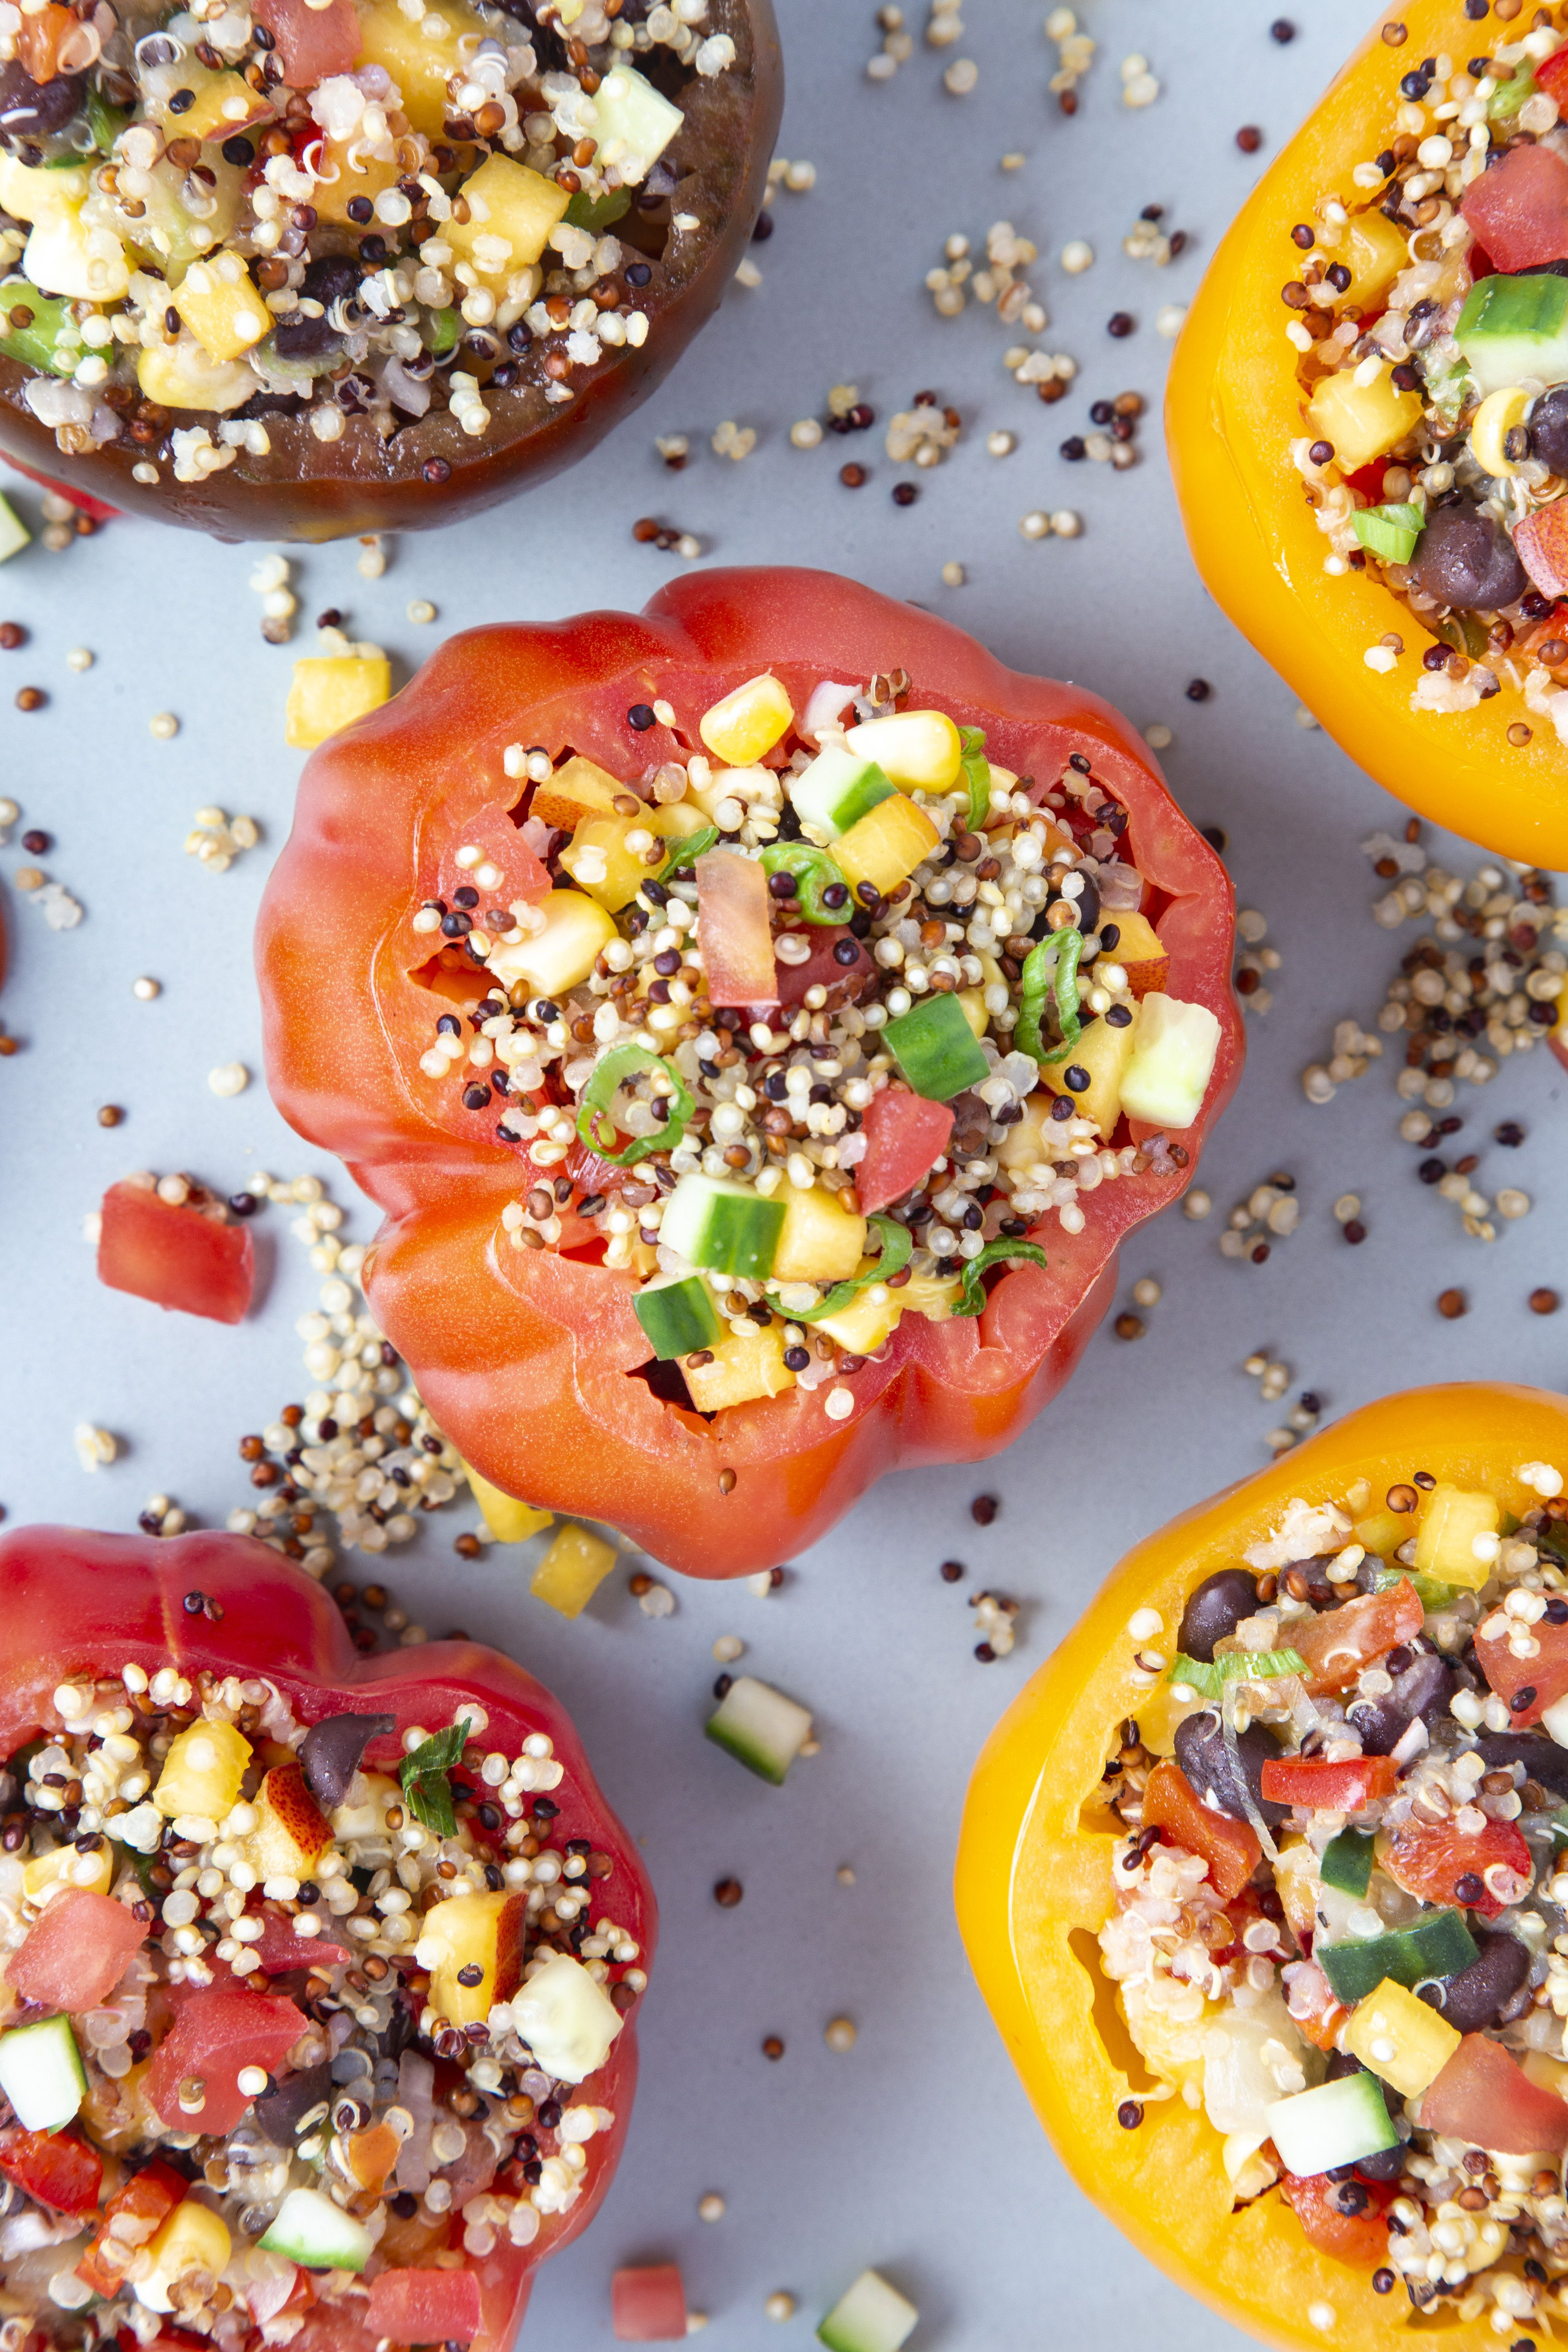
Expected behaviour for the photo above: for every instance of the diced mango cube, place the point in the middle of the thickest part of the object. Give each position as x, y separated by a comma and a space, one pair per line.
1375, 252
919, 749
331, 691
421, 53
886, 844
291, 1832
1445, 1532
745, 1366
223, 105
1363, 421
356, 175
511, 212
1383, 1532
202, 1771
563, 954
472, 1946
599, 862
867, 1323
67, 256
932, 1295
221, 307
1104, 1052
747, 721
573, 1571
507, 1520
29, 190
51, 1874
1398, 2037
1138, 952
634, 122
182, 375
819, 1241
193, 2238
576, 790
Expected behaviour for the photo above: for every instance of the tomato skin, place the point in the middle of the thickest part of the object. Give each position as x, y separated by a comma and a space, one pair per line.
1340, 1642
1484, 2096
1230, 1848
1434, 1860
904, 1135
151, 2195
76, 1954
1361, 2238
523, 1355
1314, 1782
57, 2168
173, 1255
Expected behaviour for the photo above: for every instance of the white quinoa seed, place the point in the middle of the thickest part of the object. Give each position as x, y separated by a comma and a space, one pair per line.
228, 1078
163, 726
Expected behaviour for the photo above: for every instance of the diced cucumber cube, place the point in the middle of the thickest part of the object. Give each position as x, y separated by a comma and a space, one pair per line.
1438, 1945
1338, 2123
870, 2317
936, 1049
676, 1317
727, 1228
310, 2229
633, 119
1347, 1862
13, 532
41, 2073
836, 790
1515, 327
1175, 1048
760, 1727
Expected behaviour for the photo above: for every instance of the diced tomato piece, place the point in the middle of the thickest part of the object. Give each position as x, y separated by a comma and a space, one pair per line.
905, 1134
1314, 2008
173, 1254
218, 2028
1314, 1782
1229, 1848
503, 850
54, 2168
822, 967
1485, 2096
733, 930
1541, 538
310, 42
1519, 210
281, 1949
75, 1955
425, 2306
1552, 74
1441, 1863
1528, 1686
1361, 2238
148, 2199
1340, 1642
647, 2305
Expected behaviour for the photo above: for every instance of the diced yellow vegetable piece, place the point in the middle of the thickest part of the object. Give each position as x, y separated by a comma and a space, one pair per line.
1026, 1141
886, 844
373, 1792
931, 1295
919, 749
867, 1323
1450, 1521
1551, 2074
1375, 252
1104, 1052
1383, 1533
748, 722
66, 255
819, 1241
1363, 421
1494, 420
676, 820
221, 307
223, 105
421, 54
52, 1872
470, 1932
29, 192
291, 1832
331, 691
181, 375
576, 790
1297, 1883
1398, 2037
507, 1520
599, 862
560, 956
573, 1569
747, 785
202, 1771
357, 175
512, 211
745, 1365
193, 2238
973, 1000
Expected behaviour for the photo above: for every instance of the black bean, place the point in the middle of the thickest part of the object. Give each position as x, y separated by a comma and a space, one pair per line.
1478, 1995
331, 1752
1465, 559
326, 281
35, 109
1201, 1753
279, 2110
1541, 1757
1549, 429
1424, 1685
1213, 1611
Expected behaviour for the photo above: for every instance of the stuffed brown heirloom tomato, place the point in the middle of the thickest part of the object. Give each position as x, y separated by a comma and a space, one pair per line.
306, 269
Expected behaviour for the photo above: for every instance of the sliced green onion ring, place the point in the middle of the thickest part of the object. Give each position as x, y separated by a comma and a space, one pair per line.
597, 1127
815, 872
972, 1297
978, 775
1209, 1680
686, 851
1050, 968
897, 1247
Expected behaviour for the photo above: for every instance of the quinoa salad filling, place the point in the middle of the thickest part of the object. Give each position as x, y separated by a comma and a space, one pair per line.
1428, 305
1340, 1926
217, 214
807, 1029
282, 2031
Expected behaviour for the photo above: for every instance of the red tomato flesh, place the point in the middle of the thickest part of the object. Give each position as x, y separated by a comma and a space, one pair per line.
54, 2168
1440, 1864
1519, 210
424, 2306
1340, 1642
1313, 1781
1552, 74
218, 2030
647, 2306
1485, 2096
173, 1255
822, 968
1361, 2238
149, 2196
281, 1949
1315, 2009
733, 930
905, 1134
1527, 1685
75, 1955
1229, 1848
490, 831
310, 42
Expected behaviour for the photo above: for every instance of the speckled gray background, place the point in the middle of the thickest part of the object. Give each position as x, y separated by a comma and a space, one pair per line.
916, 2151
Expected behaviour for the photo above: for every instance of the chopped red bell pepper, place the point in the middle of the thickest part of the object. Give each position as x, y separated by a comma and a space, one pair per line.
647, 2305
75, 1954
54, 2168
1360, 2238
1334, 1788
1551, 74
1483, 1871
146, 2201
173, 1254
1340, 1642
424, 2306
1230, 1848
1519, 210
905, 1136
1484, 2096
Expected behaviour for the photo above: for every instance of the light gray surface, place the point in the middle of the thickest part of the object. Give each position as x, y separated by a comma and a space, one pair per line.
917, 2151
